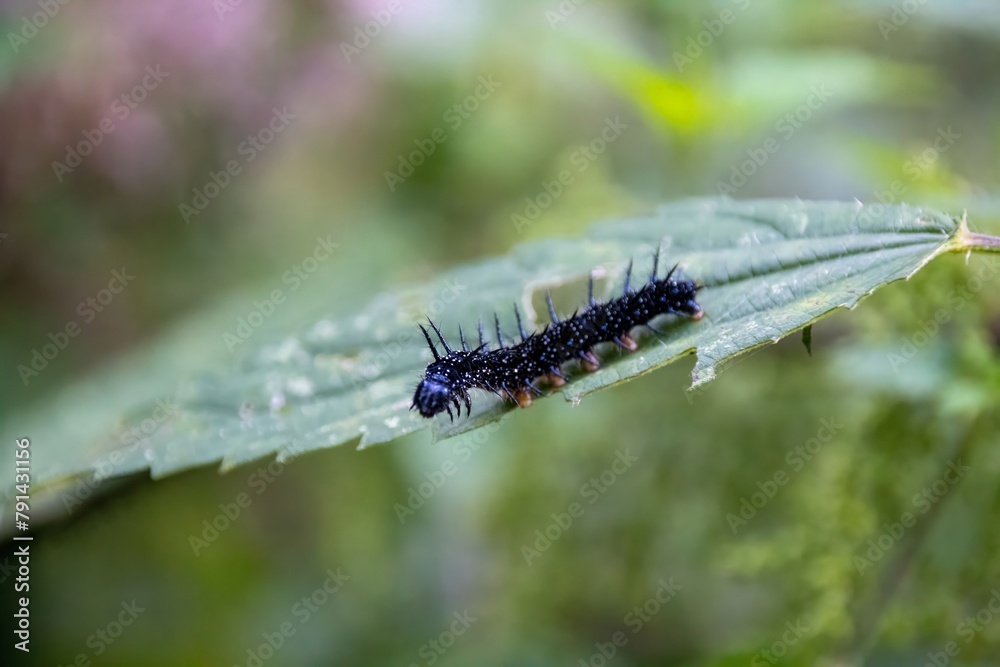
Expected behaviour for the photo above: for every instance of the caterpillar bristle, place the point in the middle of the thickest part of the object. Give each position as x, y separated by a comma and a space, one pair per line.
496, 321
461, 335
482, 338
520, 326
552, 309
430, 344
444, 343
656, 264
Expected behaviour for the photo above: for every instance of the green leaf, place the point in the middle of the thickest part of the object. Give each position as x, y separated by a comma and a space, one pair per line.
807, 339
769, 268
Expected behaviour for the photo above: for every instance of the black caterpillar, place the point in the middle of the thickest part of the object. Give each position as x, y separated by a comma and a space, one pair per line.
510, 372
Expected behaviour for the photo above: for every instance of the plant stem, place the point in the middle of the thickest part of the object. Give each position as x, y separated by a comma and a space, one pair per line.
966, 241
979, 242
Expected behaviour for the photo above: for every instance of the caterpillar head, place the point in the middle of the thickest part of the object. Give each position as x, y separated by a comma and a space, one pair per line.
438, 389
678, 296
443, 383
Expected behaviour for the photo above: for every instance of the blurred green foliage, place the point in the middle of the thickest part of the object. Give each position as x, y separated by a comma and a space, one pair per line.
698, 455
